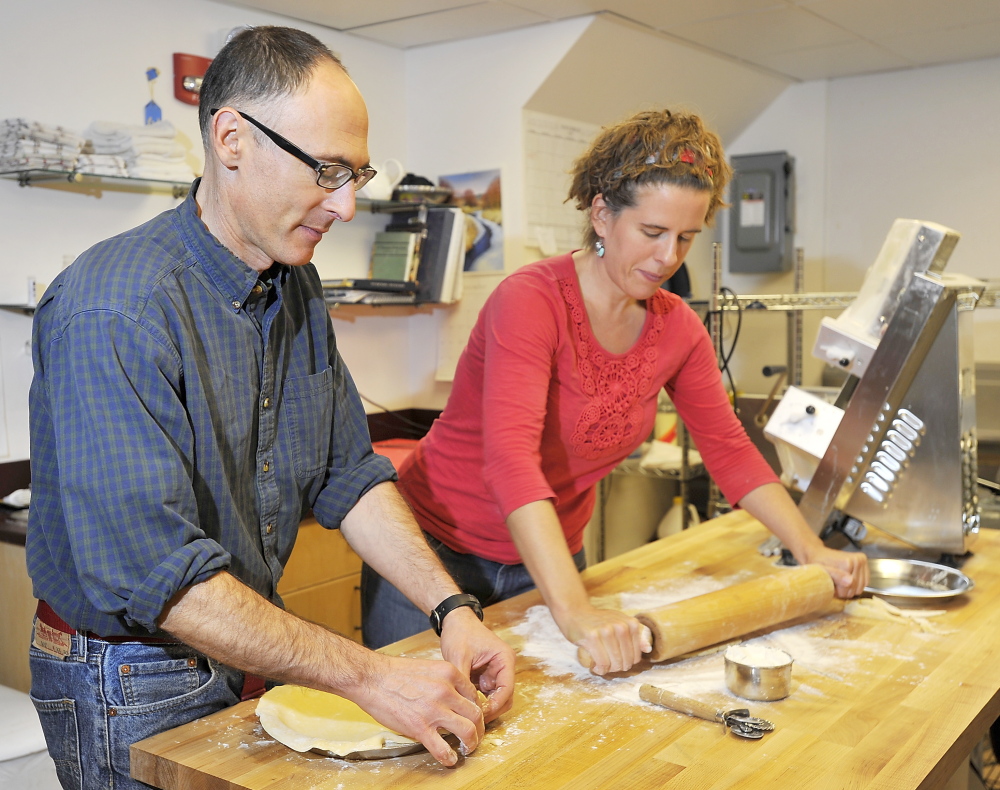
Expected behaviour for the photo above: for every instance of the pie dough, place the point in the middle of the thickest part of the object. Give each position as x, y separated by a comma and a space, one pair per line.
303, 719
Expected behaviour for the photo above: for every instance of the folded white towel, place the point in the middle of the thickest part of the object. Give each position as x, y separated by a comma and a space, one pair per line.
112, 129
174, 168
36, 163
133, 142
102, 165
21, 128
150, 145
27, 147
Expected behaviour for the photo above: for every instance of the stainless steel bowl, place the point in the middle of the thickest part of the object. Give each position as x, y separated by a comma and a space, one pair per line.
914, 580
767, 680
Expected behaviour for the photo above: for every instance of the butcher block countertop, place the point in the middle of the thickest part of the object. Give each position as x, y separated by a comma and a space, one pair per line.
876, 702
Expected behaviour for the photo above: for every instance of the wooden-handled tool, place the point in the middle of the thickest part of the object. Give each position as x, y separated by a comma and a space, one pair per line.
738, 720
704, 620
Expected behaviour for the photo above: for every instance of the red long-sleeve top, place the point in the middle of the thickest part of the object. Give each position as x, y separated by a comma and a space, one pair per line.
539, 410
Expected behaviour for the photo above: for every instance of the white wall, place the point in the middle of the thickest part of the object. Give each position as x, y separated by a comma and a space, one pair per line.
920, 144
795, 122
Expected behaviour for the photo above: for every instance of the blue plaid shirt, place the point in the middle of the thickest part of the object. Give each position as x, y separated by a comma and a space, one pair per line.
185, 415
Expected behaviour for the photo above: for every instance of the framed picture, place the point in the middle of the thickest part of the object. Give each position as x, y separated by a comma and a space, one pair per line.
478, 195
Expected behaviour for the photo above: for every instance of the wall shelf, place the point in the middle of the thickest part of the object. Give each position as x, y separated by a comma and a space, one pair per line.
89, 182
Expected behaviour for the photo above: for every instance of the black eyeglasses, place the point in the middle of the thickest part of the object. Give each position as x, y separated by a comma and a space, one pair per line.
329, 175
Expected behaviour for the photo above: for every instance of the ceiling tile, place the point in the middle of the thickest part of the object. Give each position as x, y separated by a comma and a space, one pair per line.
807, 39
342, 16
560, 9
844, 60
467, 22
878, 20
948, 45
657, 14
762, 33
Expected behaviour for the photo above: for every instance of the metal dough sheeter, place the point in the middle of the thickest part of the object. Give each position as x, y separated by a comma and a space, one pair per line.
897, 449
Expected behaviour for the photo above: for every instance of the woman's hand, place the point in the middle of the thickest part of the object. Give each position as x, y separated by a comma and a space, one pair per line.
773, 507
614, 640
848, 569
611, 640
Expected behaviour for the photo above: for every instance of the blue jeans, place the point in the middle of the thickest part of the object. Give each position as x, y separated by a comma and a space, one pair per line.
388, 616
101, 698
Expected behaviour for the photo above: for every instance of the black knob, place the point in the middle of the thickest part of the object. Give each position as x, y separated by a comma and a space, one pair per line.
810, 409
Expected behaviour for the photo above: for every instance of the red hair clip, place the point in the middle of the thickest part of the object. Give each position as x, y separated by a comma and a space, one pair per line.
687, 156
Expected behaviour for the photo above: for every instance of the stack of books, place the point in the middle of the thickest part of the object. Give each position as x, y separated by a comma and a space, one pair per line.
442, 259
394, 255
417, 259
369, 291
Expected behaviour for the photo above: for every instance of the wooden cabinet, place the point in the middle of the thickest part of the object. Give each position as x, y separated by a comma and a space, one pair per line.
16, 612
322, 580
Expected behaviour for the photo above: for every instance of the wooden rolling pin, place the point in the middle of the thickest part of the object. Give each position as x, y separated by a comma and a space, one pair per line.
704, 620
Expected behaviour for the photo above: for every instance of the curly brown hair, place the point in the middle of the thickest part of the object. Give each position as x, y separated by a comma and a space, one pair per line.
652, 147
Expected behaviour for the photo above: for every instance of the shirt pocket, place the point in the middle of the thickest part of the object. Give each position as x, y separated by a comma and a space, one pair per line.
307, 406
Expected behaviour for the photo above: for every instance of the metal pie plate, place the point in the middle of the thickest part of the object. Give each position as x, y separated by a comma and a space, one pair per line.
388, 751
915, 580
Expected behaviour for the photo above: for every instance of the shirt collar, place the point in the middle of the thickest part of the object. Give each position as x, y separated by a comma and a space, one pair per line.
231, 276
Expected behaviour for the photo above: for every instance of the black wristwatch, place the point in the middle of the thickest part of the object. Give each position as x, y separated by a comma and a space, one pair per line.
451, 603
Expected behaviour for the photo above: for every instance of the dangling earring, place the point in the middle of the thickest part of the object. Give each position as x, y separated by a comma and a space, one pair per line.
599, 248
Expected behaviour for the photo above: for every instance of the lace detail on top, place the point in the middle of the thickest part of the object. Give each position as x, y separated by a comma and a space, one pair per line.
614, 384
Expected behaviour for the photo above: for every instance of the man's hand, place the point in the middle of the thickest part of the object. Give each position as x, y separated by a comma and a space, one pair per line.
418, 698
481, 655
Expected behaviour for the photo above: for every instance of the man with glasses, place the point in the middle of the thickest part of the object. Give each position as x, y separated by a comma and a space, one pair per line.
189, 407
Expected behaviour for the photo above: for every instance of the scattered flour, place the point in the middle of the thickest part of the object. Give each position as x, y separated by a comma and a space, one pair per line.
557, 655
813, 646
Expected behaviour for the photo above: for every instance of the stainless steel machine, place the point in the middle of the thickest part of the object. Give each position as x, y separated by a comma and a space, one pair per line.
896, 450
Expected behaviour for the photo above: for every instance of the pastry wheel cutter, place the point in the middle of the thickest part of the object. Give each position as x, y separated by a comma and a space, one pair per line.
738, 720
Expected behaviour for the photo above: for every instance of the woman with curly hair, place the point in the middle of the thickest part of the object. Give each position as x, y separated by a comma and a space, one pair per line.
559, 383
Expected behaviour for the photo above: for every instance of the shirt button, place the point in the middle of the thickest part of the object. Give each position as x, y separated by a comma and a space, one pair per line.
267, 466
270, 528
126, 669
267, 403
236, 304
258, 290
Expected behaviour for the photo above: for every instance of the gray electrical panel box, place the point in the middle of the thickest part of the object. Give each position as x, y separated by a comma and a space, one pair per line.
762, 226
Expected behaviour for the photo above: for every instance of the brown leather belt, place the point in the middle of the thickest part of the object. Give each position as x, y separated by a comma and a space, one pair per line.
45, 614
253, 685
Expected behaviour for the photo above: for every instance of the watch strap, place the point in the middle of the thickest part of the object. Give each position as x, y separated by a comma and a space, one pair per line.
450, 604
